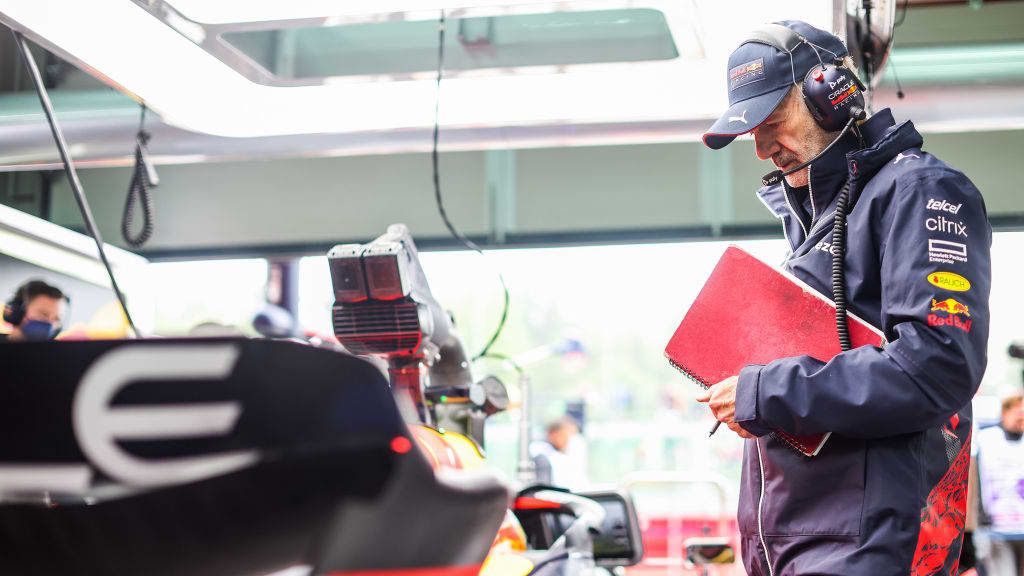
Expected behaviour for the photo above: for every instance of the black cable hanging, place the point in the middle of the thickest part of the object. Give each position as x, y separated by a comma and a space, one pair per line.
838, 277
69, 169
903, 16
144, 179
437, 193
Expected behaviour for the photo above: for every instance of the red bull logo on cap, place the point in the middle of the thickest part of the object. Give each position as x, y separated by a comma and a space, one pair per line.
746, 73
742, 69
954, 308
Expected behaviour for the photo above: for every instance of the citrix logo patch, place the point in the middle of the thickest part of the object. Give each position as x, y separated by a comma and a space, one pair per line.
941, 224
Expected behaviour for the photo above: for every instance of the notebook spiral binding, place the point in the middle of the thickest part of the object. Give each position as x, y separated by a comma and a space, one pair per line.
778, 434
700, 381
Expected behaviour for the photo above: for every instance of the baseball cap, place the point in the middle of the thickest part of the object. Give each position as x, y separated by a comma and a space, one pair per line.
761, 75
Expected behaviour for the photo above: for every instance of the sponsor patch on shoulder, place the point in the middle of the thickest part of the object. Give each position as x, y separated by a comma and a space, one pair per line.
957, 314
746, 73
946, 251
949, 281
950, 305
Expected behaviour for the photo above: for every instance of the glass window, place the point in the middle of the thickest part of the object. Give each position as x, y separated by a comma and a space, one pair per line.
216, 293
506, 41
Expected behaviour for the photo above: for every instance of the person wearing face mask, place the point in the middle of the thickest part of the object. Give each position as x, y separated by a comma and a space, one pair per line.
35, 312
902, 240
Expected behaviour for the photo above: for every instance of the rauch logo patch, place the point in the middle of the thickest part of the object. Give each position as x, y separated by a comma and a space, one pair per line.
949, 281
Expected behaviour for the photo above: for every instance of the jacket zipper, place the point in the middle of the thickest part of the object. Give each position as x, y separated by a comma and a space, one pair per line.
760, 502
818, 226
810, 194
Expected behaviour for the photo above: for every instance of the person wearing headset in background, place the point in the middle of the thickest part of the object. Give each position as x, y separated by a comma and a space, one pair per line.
887, 492
35, 312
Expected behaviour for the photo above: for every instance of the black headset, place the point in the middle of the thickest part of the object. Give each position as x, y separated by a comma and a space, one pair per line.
17, 306
835, 98
830, 90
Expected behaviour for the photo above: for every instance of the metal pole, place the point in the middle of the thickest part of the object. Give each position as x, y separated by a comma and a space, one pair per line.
69, 169
526, 472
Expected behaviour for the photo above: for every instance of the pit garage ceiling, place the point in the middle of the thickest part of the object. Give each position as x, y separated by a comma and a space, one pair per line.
305, 67
240, 80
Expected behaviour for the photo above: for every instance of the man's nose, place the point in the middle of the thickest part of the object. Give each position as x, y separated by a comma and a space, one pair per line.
765, 145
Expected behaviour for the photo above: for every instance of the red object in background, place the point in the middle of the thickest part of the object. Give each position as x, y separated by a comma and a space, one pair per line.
528, 503
749, 313
662, 536
401, 444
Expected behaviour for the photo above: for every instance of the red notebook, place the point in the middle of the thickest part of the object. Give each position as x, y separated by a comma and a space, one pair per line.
749, 313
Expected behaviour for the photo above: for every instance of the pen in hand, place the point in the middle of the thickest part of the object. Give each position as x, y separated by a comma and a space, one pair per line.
714, 428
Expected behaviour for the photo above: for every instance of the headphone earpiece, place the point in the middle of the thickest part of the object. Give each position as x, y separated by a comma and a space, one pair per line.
829, 92
14, 309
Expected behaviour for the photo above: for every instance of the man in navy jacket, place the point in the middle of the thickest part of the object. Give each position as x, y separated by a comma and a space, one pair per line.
887, 493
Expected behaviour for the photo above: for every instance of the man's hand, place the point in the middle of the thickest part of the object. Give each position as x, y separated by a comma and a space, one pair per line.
721, 398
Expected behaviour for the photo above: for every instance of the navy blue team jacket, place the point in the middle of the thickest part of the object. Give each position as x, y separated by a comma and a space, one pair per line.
887, 493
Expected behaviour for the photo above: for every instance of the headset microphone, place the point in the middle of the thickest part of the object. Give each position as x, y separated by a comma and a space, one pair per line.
856, 113
834, 96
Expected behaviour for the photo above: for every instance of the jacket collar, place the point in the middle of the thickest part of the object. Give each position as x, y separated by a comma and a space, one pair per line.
884, 139
884, 142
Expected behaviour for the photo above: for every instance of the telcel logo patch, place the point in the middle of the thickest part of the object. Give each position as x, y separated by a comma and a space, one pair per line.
934, 204
949, 281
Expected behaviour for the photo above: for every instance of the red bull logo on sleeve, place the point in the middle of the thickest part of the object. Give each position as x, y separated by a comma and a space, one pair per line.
954, 309
950, 305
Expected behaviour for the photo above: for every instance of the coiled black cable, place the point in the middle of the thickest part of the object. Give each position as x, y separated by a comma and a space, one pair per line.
140, 186
838, 276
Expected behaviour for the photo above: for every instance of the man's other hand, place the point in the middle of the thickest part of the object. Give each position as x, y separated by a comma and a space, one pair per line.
721, 398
